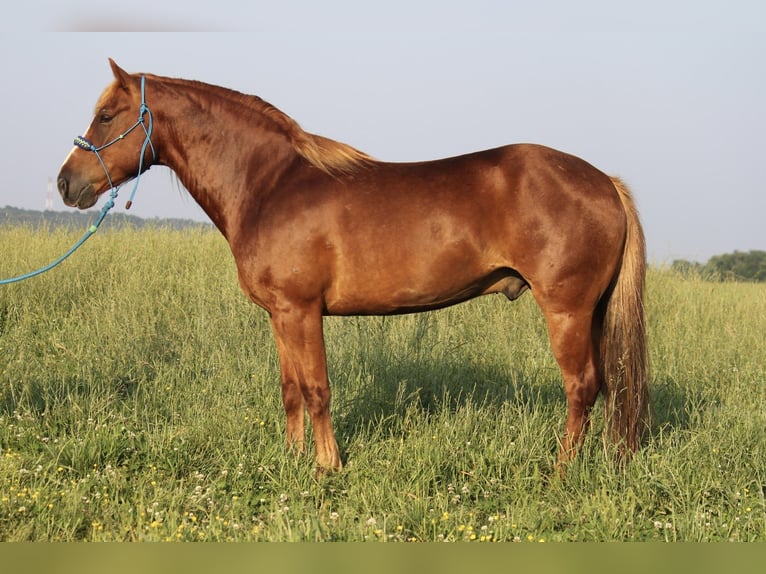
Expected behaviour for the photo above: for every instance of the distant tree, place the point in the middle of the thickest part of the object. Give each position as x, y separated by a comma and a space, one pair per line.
738, 266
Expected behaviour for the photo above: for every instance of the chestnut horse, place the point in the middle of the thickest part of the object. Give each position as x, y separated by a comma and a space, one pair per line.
319, 228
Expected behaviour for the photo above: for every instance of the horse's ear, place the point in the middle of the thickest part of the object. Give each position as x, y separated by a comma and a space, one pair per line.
120, 75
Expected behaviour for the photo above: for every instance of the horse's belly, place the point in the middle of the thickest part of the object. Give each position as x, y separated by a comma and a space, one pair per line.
409, 288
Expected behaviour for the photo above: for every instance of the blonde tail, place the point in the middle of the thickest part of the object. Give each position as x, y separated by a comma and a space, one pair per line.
624, 354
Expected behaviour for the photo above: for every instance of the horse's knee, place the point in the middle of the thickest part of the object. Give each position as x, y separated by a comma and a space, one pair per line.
317, 400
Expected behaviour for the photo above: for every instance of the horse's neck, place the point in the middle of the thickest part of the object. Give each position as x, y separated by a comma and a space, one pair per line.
224, 159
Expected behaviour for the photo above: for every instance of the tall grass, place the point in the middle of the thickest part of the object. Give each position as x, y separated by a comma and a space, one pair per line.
139, 400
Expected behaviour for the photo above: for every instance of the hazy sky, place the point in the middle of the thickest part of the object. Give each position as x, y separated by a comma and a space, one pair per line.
668, 95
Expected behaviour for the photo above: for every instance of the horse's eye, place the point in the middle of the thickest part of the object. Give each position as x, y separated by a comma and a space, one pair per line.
104, 118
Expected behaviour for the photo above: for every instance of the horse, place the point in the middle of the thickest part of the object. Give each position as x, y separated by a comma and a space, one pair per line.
318, 228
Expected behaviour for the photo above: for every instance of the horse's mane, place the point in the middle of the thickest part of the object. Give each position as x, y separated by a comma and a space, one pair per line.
332, 157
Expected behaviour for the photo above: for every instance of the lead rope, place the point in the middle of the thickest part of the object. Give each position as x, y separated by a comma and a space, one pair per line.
83, 143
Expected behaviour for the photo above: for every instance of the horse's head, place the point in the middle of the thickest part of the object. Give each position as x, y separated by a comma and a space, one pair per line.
114, 148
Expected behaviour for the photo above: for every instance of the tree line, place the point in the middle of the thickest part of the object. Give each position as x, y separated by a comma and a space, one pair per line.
81, 220
738, 266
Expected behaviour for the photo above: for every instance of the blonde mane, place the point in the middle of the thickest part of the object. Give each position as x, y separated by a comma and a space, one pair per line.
332, 157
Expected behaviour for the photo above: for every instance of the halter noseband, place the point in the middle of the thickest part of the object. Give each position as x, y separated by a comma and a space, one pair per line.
87, 145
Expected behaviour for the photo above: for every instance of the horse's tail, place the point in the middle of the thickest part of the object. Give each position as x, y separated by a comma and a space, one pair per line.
623, 349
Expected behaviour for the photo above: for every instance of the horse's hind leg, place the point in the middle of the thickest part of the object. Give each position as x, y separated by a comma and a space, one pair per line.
571, 335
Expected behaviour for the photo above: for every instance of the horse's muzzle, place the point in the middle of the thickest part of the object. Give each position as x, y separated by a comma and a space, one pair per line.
80, 196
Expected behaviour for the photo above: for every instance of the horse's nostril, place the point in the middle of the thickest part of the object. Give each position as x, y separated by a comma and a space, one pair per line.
63, 185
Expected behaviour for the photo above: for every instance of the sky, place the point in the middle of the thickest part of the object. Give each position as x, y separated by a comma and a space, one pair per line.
668, 95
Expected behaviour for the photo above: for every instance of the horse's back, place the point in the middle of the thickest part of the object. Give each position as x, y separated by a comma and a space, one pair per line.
507, 207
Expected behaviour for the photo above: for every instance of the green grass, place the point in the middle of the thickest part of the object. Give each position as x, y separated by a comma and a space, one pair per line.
139, 400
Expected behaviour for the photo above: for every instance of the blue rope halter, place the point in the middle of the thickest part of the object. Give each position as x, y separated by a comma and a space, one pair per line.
85, 144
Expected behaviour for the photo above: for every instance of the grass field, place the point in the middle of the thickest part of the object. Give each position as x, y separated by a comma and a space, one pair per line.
139, 400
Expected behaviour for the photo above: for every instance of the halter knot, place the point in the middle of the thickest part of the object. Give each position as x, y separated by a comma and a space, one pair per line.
84, 143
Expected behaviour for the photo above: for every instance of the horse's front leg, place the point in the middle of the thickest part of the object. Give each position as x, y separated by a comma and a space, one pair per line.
300, 343
292, 399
